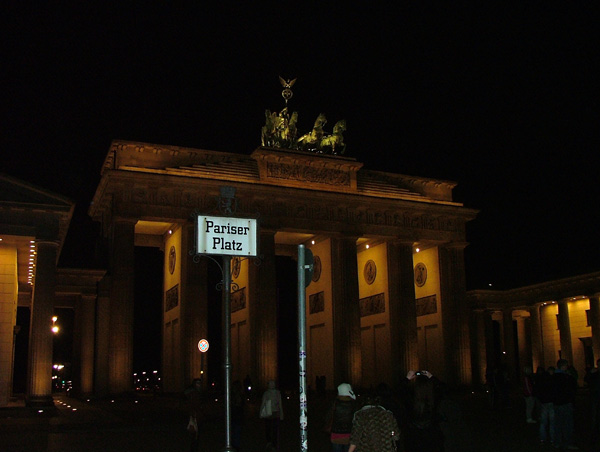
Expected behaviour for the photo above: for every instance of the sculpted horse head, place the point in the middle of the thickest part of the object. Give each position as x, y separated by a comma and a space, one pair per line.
268, 130
335, 142
312, 139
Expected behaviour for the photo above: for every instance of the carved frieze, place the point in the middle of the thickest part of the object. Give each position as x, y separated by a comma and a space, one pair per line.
375, 304
172, 298
160, 198
327, 176
426, 305
238, 300
316, 302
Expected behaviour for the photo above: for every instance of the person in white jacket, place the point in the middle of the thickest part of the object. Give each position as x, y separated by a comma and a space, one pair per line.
271, 410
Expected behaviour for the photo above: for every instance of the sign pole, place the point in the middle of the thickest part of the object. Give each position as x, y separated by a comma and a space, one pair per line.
302, 348
226, 236
227, 349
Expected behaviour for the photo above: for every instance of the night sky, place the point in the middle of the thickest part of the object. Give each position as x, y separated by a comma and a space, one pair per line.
503, 101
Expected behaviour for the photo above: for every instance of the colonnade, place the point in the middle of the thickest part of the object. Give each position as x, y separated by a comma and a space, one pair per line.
536, 334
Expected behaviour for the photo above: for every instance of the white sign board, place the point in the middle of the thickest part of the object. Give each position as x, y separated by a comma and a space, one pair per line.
226, 236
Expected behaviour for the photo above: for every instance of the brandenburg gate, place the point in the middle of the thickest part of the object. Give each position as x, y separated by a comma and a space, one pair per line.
388, 290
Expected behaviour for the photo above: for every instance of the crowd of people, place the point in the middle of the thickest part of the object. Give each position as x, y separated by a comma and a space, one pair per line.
549, 395
416, 416
386, 422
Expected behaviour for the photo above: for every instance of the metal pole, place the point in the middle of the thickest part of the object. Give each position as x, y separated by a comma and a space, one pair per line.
227, 349
302, 349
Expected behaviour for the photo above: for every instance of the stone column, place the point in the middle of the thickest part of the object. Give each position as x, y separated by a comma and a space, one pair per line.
102, 326
345, 312
524, 342
403, 311
39, 387
564, 326
262, 307
490, 347
194, 306
508, 344
537, 348
85, 320
120, 359
9, 288
478, 345
455, 318
595, 324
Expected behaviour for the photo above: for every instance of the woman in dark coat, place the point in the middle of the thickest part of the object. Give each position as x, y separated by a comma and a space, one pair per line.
340, 418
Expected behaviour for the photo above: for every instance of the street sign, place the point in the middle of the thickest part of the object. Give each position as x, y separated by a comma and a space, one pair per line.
203, 345
226, 236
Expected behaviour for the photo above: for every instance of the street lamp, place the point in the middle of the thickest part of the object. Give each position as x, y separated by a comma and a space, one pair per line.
55, 329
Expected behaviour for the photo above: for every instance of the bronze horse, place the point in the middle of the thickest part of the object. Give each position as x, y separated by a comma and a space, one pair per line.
312, 139
335, 142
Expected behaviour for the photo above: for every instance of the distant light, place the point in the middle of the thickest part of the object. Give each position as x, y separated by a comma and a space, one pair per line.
74, 409
55, 329
170, 232
504, 353
490, 284
54, 318
40, 411
312, 242
418, 249
367, 247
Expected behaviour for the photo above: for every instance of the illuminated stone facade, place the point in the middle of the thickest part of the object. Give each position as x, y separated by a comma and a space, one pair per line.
552, 320
388, 296
363, 327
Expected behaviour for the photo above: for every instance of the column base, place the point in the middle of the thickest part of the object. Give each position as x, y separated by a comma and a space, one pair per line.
39, 401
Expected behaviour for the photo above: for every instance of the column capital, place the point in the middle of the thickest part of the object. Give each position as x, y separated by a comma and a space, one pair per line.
46, 242
401, 241
455, 245
124, 220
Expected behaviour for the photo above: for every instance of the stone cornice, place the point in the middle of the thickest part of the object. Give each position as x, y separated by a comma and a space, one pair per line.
146, 197
78, 281
300, 169
576, 286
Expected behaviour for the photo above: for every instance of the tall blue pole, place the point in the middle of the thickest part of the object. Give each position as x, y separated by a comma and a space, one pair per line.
302, 348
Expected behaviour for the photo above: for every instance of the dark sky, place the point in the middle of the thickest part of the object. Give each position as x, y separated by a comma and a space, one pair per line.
503, 101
